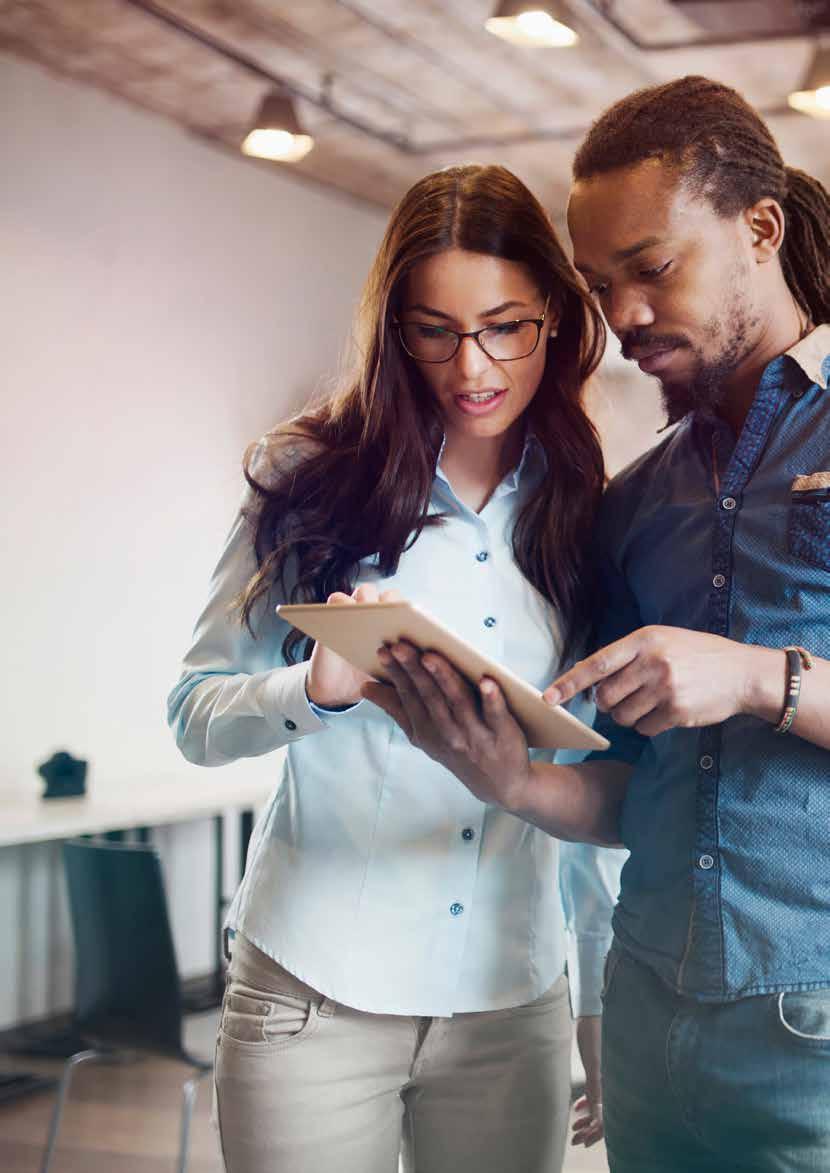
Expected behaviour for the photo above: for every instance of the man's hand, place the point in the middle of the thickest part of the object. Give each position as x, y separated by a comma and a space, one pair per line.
472, 734
661, 678
587, 1126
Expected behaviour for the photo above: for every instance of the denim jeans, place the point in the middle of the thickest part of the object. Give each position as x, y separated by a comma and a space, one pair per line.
693, 1087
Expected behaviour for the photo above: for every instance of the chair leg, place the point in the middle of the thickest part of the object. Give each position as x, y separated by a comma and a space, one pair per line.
68, 1068
189, 1091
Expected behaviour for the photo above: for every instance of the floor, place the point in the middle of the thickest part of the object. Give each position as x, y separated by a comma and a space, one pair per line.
125, 1119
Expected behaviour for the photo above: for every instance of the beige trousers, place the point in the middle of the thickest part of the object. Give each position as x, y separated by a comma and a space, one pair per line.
306, 1085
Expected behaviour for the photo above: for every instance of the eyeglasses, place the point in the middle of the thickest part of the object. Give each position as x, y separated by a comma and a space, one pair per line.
503, 343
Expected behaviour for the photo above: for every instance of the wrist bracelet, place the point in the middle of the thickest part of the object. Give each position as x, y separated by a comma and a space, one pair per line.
806, 658
796, 658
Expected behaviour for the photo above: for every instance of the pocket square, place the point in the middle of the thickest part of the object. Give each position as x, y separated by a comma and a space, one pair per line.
814, 480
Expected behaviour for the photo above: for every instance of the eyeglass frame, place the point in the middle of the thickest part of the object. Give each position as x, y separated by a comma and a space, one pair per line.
461, 335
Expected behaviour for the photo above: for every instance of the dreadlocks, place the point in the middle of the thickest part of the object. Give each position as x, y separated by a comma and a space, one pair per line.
723, 151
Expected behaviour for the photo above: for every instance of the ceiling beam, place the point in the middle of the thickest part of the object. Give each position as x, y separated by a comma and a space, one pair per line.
403, 143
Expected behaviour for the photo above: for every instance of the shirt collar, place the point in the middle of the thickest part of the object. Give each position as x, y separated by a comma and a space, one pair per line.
533, 455
813, 355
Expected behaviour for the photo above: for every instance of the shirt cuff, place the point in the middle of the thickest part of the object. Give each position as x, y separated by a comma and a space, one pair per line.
586, 964
284, 703
323, 712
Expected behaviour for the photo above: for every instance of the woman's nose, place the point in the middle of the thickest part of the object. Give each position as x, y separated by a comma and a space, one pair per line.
470, 359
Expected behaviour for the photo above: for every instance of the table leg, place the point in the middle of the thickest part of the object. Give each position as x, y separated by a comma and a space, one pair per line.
246, 826
219, 869
207, 998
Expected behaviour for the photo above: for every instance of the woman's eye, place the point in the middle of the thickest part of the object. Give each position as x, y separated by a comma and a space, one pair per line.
430, 331
658, 271
506, 328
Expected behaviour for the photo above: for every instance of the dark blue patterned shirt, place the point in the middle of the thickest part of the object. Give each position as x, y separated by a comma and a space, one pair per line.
727, 890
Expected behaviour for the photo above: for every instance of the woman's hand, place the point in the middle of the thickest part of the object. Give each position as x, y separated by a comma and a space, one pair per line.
474, 736
588, 1125
332, 682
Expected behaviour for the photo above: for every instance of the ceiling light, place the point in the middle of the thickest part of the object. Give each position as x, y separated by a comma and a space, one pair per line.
276, 133
531, 22
814, 98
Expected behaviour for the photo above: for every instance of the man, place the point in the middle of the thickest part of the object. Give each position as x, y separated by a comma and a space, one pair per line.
710, 259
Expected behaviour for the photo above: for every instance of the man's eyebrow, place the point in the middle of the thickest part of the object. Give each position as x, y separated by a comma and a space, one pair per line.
623, 254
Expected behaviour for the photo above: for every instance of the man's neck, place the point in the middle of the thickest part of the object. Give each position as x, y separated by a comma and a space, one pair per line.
782, 330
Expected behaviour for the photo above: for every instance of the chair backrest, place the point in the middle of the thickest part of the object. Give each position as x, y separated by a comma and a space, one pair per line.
127, 983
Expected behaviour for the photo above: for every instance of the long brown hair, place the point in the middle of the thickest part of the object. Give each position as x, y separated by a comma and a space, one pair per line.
727, 154
362, 486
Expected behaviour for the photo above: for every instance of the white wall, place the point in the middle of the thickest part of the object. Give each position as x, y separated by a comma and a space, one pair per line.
161, 304
626, 407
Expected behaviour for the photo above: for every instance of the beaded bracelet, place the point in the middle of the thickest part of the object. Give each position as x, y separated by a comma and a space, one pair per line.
797, 657
806, 658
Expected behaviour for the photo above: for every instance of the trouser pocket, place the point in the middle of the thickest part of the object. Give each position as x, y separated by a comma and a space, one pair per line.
805, 1015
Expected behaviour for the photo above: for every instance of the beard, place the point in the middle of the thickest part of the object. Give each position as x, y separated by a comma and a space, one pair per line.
705, 389
728, 340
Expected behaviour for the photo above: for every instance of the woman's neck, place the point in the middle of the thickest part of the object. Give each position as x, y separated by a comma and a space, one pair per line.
475, 466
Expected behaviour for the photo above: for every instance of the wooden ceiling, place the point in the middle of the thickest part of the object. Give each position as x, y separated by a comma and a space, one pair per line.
396, 88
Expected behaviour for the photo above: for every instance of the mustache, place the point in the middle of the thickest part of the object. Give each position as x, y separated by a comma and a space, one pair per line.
636, 340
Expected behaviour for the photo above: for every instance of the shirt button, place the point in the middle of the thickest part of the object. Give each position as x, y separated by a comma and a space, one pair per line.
706, 762
729, 503
456, 909
468, 833
489, 621
719, 581
290, 725
482, 556
706, 862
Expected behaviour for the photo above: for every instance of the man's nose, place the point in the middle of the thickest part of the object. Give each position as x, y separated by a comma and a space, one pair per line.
627, 310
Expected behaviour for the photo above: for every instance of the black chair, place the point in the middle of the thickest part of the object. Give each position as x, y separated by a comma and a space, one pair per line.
127, 989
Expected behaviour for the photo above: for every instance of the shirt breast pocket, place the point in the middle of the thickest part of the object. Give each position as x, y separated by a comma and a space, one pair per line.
809, 523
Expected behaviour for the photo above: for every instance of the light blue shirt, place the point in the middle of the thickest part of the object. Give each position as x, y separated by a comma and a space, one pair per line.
373, 874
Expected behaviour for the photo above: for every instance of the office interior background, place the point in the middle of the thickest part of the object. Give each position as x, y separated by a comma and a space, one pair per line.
165, 299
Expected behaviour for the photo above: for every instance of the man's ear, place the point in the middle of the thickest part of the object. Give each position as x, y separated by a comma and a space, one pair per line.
766, 225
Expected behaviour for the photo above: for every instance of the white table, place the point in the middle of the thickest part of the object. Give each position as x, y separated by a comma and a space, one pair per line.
125, 804
113, 807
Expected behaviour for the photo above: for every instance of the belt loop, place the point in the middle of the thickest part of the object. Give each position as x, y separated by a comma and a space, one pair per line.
326, 1008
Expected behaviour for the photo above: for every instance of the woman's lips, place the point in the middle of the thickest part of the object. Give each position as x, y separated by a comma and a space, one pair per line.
483, 403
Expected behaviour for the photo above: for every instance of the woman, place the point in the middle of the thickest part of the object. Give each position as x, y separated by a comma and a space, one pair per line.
397, 973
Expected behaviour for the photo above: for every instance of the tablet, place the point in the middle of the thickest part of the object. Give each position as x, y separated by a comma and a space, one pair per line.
356, 630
